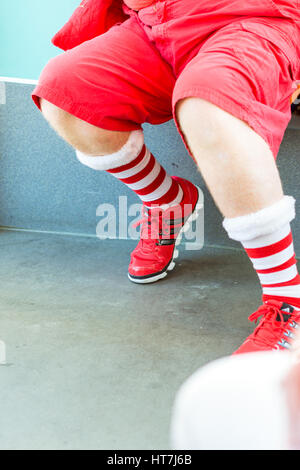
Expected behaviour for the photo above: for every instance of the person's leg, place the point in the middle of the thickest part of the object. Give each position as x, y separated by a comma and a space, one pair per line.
97, 103
233, 135
85, 137
240, 171
236, 163
121, 153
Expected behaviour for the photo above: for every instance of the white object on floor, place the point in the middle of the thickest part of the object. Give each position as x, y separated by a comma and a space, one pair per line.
235, 403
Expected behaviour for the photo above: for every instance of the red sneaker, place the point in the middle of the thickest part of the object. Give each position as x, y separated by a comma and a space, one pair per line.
276, 329
161, 232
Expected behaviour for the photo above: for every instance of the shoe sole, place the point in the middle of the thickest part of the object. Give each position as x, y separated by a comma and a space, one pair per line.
157, 277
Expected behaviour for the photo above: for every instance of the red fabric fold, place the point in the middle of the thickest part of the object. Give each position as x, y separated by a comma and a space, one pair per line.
90, 19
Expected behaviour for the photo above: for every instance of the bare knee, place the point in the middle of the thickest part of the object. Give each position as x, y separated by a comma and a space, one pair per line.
82, 135
52, 113
199, 118
211, 130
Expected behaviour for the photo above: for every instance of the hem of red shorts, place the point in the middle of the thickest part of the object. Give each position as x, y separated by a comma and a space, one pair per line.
79, 111
218, 99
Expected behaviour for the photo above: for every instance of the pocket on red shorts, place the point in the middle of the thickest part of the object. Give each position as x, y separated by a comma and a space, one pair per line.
283, 34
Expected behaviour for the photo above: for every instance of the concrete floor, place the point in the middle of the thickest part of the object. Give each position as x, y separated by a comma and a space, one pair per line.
94, 361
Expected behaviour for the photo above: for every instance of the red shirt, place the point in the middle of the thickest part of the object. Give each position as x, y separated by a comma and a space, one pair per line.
138, 4
95, 17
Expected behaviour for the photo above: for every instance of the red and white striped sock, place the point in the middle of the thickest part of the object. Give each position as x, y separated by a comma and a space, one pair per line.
274, 260
267, 239
136, 167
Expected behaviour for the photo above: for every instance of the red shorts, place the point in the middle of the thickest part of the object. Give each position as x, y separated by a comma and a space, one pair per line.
241, 55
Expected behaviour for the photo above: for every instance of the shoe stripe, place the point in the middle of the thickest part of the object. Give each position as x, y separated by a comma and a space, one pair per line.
170, 241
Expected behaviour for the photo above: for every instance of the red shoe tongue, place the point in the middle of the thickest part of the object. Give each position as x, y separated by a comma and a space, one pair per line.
285, 308
149, 233
275, 303
271, 327
285, 317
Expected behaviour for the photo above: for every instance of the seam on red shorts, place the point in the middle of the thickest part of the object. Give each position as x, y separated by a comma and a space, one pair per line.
217, 98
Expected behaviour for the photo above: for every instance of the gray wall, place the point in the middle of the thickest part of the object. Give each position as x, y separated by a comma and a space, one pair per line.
43, 187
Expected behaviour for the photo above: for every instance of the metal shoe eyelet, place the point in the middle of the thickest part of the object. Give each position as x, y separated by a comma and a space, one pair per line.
284, 344
289, 334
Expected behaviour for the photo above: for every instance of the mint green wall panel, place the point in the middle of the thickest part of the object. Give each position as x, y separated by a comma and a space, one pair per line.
26, 29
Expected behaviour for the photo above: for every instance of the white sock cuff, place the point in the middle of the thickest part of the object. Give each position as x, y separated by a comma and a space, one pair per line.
263, 222
126, 154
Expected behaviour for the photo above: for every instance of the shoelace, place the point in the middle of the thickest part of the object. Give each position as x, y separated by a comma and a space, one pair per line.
275, 324
152, 224
149, 231
149, 224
